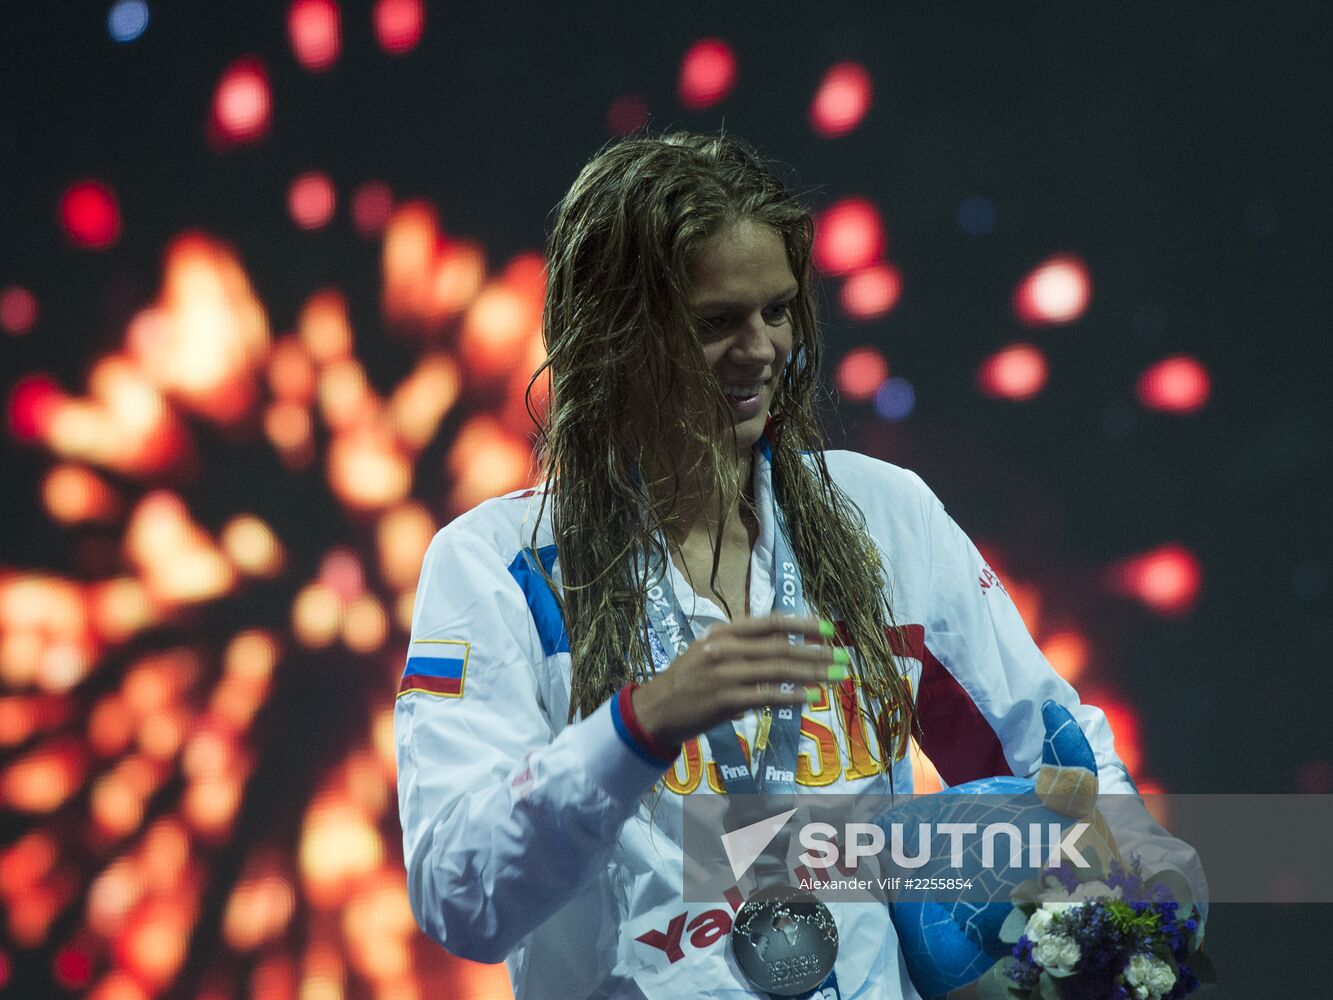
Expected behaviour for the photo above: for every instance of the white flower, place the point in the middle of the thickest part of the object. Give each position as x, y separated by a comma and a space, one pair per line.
1150, 976
1038, 925
1056, 953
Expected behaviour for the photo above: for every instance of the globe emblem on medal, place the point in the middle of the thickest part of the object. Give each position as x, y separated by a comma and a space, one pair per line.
784, 940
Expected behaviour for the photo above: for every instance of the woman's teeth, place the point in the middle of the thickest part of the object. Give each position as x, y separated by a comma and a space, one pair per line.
743, 391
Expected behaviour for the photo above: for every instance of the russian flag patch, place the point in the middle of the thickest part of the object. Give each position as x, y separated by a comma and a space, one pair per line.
436, 666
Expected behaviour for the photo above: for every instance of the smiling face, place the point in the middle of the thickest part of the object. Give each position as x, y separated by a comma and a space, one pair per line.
742, 288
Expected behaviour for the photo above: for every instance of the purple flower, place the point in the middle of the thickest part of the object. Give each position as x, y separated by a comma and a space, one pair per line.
1066, 876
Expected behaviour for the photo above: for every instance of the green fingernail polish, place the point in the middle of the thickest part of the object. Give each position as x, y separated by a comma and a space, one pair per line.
826, 629
837, 671
842, 656
813, 695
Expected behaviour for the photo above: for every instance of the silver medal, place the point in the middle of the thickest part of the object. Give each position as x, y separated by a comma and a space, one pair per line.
784, 940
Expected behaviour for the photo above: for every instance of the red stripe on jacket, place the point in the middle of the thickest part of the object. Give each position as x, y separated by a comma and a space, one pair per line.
953, 732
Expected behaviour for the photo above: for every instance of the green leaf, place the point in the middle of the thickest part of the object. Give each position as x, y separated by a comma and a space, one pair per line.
1050, 990
1012, 928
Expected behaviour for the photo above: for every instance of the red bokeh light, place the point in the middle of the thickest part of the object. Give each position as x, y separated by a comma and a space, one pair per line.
313, 29
1177, 384
32, 404
707, 73
398, 25
848, 234
1167, 579
628, 113
871, 292
310, 200
372, 205
89, 215
72, 968
841, 101
861, 372
1057, 291
242, 105
1017, 372
18, 309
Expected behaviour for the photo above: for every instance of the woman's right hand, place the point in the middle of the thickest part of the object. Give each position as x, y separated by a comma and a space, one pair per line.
736, 666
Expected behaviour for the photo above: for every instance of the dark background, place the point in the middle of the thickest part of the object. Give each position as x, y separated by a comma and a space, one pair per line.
1182, 151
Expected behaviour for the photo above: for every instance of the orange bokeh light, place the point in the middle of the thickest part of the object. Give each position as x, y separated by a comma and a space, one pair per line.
252, 546
153, 945
401, 537
110, 726
346, 399
41, 780
316, 615
486, 461
423, 398
1067, 653
460, 271
288, 426
261, 903
324, 329
118, 985
208, 334
367, 470
120, 607
25, 862
365, 625
291, 373
179, 562
496, 330
339, 847
74, 495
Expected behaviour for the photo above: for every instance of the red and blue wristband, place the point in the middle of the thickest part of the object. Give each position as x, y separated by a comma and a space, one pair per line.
634, 736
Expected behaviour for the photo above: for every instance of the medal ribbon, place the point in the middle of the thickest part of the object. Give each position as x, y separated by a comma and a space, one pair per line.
771, 771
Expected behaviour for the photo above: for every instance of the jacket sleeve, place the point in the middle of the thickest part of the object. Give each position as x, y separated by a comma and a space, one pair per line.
984, 681
502, 820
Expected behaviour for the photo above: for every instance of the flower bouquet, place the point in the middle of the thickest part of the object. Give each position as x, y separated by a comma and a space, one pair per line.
1123, 938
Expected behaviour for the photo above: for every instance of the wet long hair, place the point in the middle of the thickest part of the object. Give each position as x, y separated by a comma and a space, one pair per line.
627, 373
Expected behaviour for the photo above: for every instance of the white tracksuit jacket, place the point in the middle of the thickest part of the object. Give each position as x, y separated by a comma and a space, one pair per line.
528, 839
